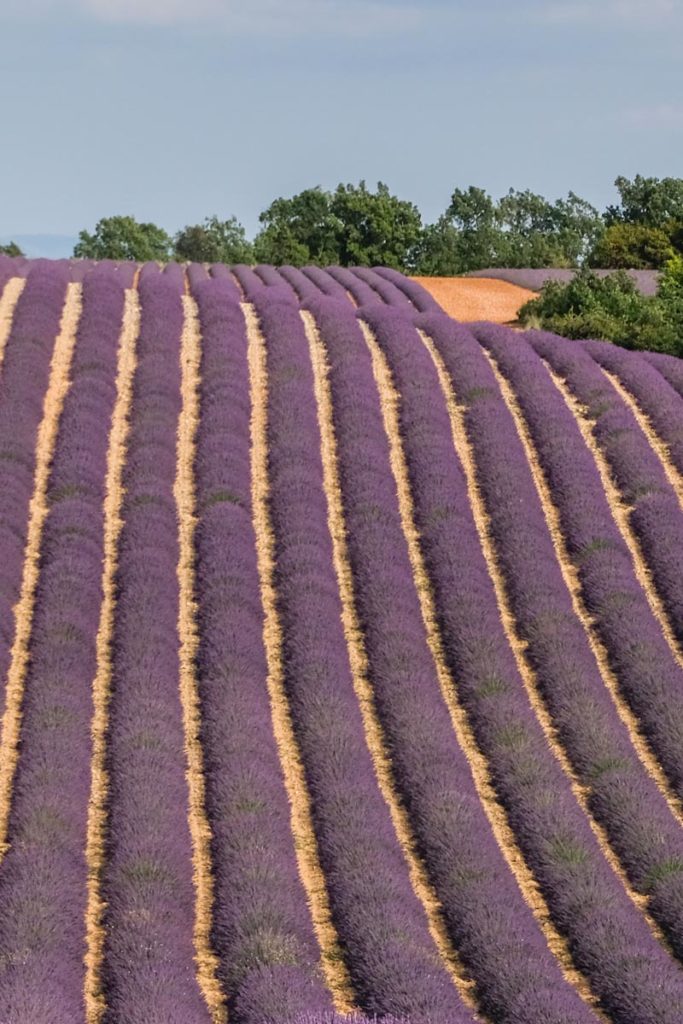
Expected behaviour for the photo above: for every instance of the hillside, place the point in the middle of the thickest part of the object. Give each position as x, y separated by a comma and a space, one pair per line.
341, 657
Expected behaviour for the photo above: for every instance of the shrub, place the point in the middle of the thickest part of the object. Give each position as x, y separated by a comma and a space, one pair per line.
11, 249
610, 308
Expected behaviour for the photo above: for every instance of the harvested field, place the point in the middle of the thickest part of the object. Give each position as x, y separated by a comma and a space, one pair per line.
472, 299
341, 656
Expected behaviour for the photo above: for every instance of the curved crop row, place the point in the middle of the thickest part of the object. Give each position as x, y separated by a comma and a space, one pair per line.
654, 404
648, 670
24, 377
553, 833
652, 508
375, 736
229, 283
147, 876
367, 878
248, 280
304, 287
327, 284
670, 368
262, 930
301, 819
514, 971
362, 293
43, 877
385, 291
95, 844
421, 299
24, 609
621, 792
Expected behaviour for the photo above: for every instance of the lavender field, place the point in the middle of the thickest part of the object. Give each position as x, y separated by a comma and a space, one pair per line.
646, 281
341, 657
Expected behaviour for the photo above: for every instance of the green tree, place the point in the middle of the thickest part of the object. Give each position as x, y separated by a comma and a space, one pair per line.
214, 241
299, 230
656, 202
123, 238
670, 295
376, 228
11, 249
438, 251
611, 308
474, 216
634, 246
538, 233
523, 229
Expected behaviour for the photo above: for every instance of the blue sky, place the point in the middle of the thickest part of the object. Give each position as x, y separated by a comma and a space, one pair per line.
175, 109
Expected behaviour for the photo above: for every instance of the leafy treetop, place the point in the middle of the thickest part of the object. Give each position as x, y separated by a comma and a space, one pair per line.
123, 238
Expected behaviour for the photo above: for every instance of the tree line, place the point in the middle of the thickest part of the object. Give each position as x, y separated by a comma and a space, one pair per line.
354, 225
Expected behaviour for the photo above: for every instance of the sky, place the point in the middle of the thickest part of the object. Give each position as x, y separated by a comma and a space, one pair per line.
173, 110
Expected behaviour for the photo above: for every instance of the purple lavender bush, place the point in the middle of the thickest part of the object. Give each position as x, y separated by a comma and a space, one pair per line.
503, 949
262, 933
657, 398
655, 513
621, 794
148, 970
385, 289
363, 294
43, 876
552, 831
304, 287
24, 377
325, 282
669, 367
417, 293
390, 955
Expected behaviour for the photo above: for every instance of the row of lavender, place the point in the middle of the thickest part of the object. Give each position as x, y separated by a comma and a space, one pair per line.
262, 930
359, 285
552, 834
